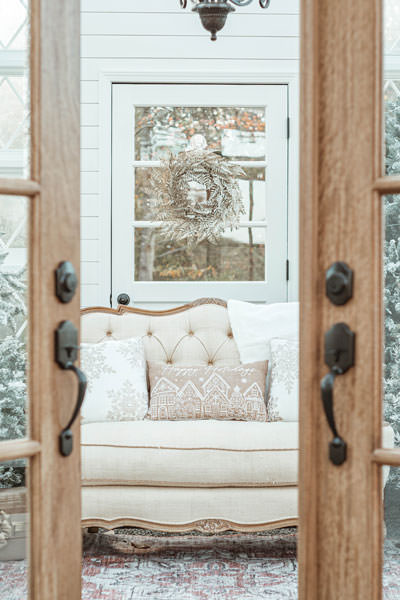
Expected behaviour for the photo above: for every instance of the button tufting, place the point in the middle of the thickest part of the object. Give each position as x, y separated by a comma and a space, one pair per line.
149, 333
169, 362
109, 333
230, 334
210, 362
191, 333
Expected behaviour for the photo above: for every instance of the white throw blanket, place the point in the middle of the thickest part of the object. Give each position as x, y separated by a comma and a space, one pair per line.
255, 325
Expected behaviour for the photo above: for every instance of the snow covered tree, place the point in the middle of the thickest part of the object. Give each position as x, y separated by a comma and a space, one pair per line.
12, 366
392, 277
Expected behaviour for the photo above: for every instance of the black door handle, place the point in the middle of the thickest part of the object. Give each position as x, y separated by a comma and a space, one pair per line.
66, 354
123, 299
339, 356
337, 447
66, 436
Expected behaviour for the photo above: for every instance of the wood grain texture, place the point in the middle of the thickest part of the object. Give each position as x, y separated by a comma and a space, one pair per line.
340, 550
205, 525
18, 187
55, 557
388, 185
387, 456
153, 313
14, 449
13, 501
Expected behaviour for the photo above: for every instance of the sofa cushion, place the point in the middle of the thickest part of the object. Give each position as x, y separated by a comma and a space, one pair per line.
190, 453
193, 453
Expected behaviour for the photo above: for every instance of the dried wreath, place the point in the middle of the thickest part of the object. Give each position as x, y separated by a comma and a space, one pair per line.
189, 216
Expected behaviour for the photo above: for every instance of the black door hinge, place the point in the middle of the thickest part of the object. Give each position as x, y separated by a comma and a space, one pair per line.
288, 127
287, 270
111, 300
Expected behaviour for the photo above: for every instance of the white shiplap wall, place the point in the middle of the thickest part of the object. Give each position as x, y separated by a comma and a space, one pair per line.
135, 35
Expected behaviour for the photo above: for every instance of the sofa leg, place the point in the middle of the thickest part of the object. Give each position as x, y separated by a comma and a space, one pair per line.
93, 530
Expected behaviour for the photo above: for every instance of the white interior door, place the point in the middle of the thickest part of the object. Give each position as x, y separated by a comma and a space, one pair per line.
248, 124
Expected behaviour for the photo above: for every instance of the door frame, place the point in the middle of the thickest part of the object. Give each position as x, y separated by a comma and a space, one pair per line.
342, 177
106, 80
125, 98
52, 189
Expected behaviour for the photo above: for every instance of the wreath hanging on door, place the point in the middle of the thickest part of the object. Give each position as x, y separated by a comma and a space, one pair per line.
197, 196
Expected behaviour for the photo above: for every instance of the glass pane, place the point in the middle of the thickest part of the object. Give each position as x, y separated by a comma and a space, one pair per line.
236, 132
14, 530
238, 256
13, 316
392, 85
252, 186
14, 88
391, 564
391, 572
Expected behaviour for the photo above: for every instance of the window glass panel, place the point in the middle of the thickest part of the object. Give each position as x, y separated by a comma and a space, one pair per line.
14, 530
13, 24
14, 88
252, 186
392, 85
13, 316
391, 563
236, 132
391, 571
238, 256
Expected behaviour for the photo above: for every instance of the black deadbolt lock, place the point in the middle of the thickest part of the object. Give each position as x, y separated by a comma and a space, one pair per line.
339, 283
66, 281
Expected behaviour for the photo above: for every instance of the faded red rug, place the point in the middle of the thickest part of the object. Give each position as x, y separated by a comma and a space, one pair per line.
130, 565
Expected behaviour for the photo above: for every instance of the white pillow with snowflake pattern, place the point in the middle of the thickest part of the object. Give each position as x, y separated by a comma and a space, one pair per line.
283, 404
117, 382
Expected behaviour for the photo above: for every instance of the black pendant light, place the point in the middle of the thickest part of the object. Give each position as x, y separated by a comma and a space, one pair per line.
213, 13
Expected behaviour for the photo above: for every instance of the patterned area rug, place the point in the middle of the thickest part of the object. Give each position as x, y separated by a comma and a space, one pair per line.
131, 564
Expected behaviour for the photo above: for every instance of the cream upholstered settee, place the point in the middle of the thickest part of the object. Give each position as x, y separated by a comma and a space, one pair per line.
182, 475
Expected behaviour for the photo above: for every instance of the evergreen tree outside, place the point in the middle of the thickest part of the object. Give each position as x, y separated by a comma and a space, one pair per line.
392, 279
12, 366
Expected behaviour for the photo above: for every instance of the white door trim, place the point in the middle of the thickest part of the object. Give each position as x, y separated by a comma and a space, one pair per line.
108, 78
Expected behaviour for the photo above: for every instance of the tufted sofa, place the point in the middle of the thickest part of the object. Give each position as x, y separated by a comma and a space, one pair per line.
183, 475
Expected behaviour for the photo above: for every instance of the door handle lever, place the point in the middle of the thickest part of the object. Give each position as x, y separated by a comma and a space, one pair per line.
66, 436
337, 447
66, 354
339, 356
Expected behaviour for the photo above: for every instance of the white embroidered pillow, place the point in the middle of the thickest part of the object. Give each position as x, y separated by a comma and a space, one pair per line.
283, 402
117, 383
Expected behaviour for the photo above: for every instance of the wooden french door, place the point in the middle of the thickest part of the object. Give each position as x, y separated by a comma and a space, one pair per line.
343, 183
49, 197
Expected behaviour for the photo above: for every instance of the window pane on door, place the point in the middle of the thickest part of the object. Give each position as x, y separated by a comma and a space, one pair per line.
238, 256
13, 316
391, 563
14, 84
252, 186
236, 132
391, 214
14, 530
392, 85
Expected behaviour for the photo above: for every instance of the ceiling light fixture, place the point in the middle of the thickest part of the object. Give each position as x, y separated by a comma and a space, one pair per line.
213, 13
